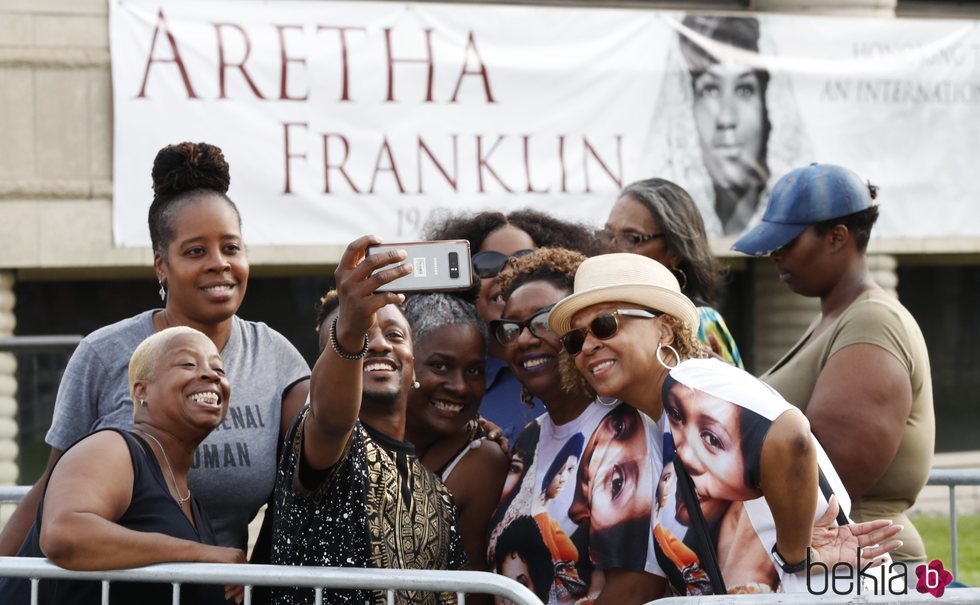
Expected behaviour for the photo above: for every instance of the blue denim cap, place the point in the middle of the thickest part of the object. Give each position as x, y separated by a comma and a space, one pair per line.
804, 196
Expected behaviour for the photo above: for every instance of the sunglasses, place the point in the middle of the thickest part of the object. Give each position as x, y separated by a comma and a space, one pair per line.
603, 327
506, 331
489, 263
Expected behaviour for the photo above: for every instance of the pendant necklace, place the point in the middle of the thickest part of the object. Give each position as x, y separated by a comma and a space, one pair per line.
180, 499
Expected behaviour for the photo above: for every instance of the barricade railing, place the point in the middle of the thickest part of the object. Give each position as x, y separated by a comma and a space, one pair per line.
12, 494
393, 580
955, 595
249, 576
953, 477
39, 344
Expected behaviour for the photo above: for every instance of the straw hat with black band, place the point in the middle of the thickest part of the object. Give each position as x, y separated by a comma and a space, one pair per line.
627, 278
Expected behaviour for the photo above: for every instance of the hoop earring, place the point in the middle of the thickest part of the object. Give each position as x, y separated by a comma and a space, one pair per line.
606, 401
163, 292
526, 397
660, 356
681, 278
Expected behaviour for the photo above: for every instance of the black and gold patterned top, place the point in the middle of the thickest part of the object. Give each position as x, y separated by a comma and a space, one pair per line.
377, 507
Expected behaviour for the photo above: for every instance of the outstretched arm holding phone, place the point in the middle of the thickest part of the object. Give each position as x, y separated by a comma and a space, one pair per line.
336, 382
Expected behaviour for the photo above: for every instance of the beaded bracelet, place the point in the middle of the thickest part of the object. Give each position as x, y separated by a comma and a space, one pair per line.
336, 344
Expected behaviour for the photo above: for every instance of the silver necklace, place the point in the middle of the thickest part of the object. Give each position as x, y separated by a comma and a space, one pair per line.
180, 499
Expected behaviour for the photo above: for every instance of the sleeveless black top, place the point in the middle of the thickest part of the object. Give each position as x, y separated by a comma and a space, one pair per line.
152, 509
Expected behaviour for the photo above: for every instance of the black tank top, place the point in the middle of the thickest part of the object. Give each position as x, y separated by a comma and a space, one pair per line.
152, 509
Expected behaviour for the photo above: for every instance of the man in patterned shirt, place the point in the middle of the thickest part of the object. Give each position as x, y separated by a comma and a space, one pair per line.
350, 491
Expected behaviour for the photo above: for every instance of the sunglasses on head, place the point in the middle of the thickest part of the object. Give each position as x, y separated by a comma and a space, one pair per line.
603, 327
489, 263
506, 331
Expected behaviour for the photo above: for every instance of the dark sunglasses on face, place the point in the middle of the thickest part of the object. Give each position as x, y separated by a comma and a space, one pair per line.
602, 326
506, 331
489, 263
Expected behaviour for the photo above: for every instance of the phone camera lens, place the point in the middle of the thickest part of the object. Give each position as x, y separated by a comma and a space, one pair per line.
454, 265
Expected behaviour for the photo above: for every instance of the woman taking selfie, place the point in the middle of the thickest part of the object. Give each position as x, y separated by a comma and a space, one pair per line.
564, 461
118, 499
631, 334
202, 269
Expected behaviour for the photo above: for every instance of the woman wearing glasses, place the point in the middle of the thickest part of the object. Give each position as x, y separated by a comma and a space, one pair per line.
758, 482
586, 476
495, 238
658, 219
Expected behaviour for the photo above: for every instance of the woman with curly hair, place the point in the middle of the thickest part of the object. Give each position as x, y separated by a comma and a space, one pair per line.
752, 479
495, 238
578, 432
201, 264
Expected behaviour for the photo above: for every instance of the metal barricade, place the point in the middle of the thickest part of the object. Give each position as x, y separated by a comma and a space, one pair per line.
317, 578
39, 344
953, 477
955, 595
12, 494
339, 578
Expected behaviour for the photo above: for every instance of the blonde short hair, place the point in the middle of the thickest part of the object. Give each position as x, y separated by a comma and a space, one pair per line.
145, 357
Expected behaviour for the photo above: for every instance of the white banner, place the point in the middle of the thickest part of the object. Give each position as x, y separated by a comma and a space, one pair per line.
340, 119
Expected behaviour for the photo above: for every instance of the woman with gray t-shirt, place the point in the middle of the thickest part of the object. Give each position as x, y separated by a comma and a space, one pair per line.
202, 267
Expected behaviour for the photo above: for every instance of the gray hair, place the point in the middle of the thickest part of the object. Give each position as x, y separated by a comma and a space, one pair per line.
683, 229
428, 312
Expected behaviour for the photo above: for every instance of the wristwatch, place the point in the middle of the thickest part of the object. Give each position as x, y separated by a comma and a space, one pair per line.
789, 567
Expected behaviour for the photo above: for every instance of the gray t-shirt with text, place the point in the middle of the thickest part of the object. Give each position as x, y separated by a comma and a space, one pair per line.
234, 469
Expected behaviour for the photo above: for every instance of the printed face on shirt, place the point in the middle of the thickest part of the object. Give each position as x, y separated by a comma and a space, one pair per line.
615, 478
708, 437
666, 485
515, 567
522, 457
561, 478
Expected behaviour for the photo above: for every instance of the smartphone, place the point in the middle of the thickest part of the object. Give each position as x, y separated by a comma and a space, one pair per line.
437, 266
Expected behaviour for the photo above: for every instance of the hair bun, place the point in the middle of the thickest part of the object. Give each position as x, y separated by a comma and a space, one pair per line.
189, 166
